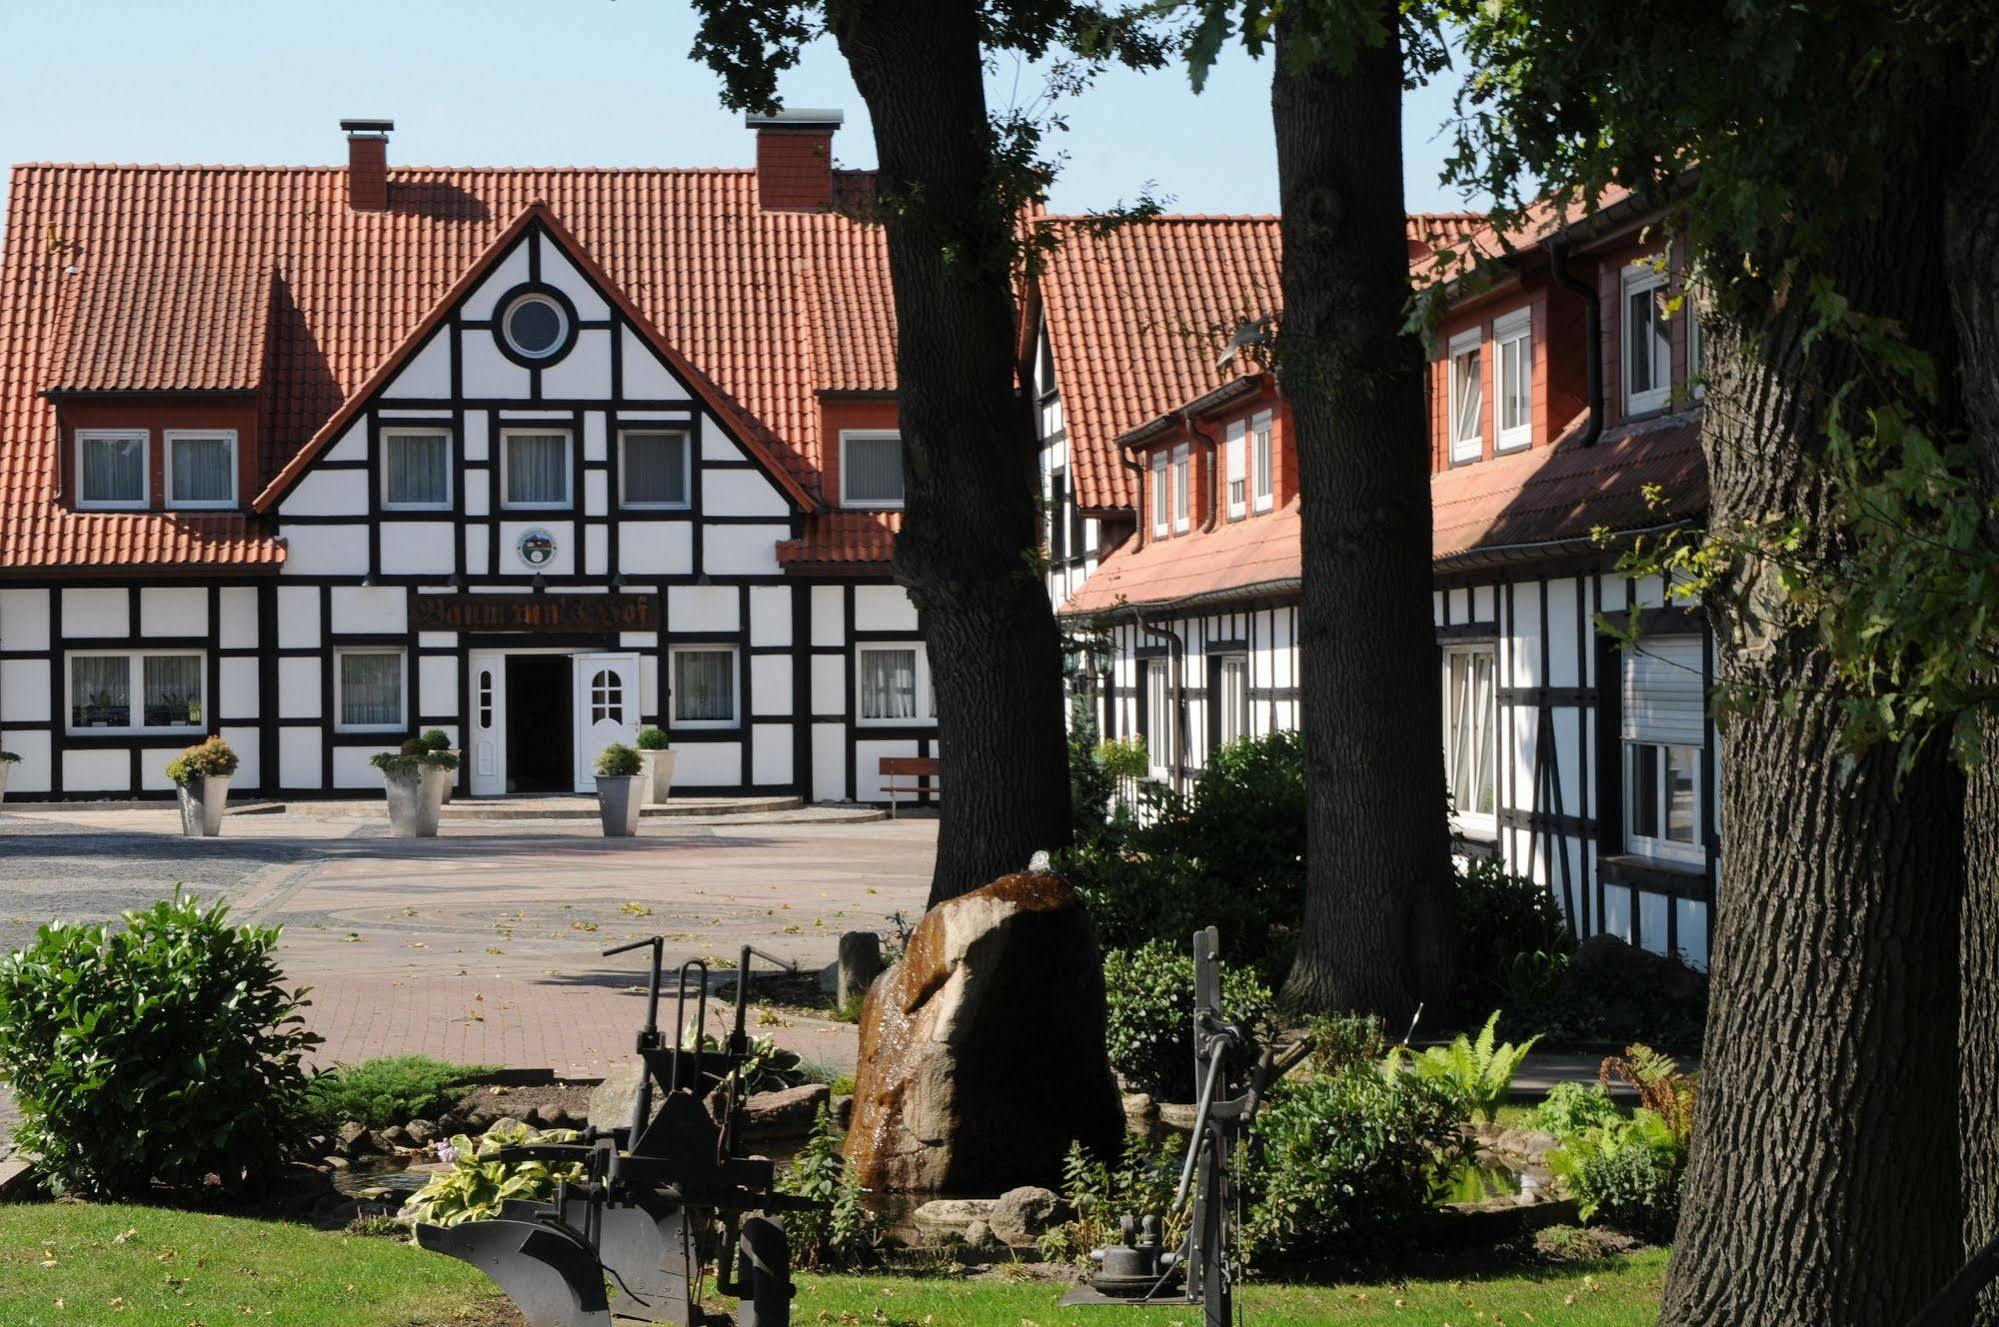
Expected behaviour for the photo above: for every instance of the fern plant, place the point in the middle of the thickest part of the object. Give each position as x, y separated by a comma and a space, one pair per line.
1626, 1172
1480, 1071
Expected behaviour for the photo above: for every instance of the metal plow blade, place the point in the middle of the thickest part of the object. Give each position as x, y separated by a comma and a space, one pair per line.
644, 1246
551, 1280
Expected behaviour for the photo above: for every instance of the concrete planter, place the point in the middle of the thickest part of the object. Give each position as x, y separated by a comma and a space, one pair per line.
5, 767
437, 786
413, 803
620, 798
201, 805
451, 782
659, 776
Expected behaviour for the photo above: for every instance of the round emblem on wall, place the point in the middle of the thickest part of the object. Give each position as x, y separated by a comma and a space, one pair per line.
536, 547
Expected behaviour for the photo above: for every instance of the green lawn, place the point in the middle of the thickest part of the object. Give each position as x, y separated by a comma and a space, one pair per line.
121, 1266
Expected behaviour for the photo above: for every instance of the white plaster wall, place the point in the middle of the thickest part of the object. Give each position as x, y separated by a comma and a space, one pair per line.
96, 612
655, 548
32, 774
298, 688
24, 619
153, 768
173, 611
476, 439
584, 372
594, 446
708, 765
742, 550
829, 625
646, 378
238, 628
770, 754
829, 684
867, 765
716, 444
298, 757
328, 493
770, 684
883, 608
351, 768
478, 554
428, 373
558, 271
352, 445
298, 617
239, 697
701, 608
248, 745
369, 609
96, 771
24, 692
418, 548
509, 272
325, 550
741, 493
829, 762
596, 548
437, 685
487, 374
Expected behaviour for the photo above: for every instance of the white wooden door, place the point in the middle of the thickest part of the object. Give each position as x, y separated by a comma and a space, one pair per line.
488, 748
607, 709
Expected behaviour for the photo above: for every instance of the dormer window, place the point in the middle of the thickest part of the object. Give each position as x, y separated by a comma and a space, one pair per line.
1263, 461
1467, 398
1513, 339
870, 468
1162, 504
1182, 489
111, 469
201, 468
1238, 463
1648, 345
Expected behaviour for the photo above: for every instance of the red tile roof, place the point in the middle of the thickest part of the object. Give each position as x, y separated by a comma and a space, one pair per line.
1234, 557
715, 275
163, 328
842, 538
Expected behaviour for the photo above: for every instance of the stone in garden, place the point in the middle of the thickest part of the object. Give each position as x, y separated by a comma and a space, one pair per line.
545, 1117
951, 1216
611, 1101
982, 1050
504, 1122
352, 1139
396, 1136
1178, 1116
17, 1179
422, 1133
842, 1108
1024, 1215
785, 1114
336, 1164
860, 963
1141, 1115
979, 1235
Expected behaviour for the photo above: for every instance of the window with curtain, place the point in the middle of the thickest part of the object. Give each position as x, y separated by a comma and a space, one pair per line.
537, 467
1648, 345
704, 686
1162, 515
416, 468
1664, 731
655, 467
1471, 721
369, 686
1238, 478
172, 690
100, 691
871, 469
1232, 699
895, 684
201, 469
111, 469
1266, 460
1516, 380
162, 691
1159, 719
1467, 400
1182, 488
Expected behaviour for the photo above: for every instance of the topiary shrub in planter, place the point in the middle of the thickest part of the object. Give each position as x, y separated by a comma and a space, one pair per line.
439, 740
155, 1054
1149, 994
620, 790
657, 758
415, 778
7, 762
201, 776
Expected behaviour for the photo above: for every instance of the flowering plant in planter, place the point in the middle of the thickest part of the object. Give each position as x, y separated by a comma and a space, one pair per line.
213, 759
201, 774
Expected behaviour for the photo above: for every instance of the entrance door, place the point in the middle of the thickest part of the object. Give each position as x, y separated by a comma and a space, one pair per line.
540, 730
607, 709
488, 748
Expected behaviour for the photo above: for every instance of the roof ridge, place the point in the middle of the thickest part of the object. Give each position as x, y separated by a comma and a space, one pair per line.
280, 169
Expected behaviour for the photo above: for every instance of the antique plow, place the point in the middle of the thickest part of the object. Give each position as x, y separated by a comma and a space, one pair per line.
659, 1198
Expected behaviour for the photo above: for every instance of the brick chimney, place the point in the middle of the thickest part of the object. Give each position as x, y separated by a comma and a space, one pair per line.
795, 159
368, 164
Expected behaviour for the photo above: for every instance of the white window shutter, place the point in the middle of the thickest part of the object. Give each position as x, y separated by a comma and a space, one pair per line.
1238, 439
1663, 698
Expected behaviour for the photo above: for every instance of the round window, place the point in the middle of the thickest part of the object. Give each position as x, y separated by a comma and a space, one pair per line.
535, 326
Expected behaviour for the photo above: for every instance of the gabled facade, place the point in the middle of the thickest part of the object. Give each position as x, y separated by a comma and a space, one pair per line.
319, 459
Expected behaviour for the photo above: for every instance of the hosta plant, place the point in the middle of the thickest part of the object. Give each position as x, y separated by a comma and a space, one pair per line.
1480, 1072
478, 1181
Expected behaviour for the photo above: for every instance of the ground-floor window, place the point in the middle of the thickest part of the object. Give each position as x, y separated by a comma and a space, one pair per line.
704, 686
1664, 732
894, 683
1471, 721
1159, 718
156, 691
1231, 699
368, 687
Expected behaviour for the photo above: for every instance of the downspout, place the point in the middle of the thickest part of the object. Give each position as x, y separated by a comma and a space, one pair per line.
1557, 246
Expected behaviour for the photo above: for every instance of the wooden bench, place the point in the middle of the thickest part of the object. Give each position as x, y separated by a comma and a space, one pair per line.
906, 774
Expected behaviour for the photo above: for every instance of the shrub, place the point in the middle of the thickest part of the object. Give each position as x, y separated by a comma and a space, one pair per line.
1501, 915
767, 1067
1101, 1193
1150, 999
435, 739
1570, 1108
652, 739
1610, 991
1345, 1153
414, 754
842, 1233
1123, 757
213, 759
154, 1054
1626, 1173
388, 1091
9, 758
617, 761
477, 1182
1340, 1040
1480, 1072
1092, 788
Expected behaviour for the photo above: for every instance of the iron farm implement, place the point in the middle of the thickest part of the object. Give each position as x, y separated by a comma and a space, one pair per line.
659, 1199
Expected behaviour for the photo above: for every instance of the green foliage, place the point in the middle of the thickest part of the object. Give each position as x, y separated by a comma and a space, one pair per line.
391, 1090
1345, 1153
652, 739
767, 1066
212, 759
478, 1182
1626, 1173
1231, 856
1099, 1193
436, 739
1501, 916
1150, 1000
154, 1054
1092, 787
1123, 757
1480, 1072
842, 1233
1342, 1040
617, 761
9, 758
414, 754
1608, 991
1572, 1108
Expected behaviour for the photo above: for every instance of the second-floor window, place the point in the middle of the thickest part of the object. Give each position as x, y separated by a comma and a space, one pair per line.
534, 466
1182, 489
201, 467
1058, 516
111, 468
416, 469
1467, 398
1263, 461
1513, 338
870, 468
1162, 503
654, 467
1648, 345
1238, 476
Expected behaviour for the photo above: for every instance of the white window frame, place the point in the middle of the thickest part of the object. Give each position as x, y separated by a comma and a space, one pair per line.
402, 723
1162, 493
1645, 845
400, 430
561, 324
926, 710
1263, 460
1183, 489
145, 498
1656, 737
1466, 449
869, 504
1236, 475
1512, 335
1159, 720
1225, 712
686, 466
171, 437
1481, 822
735, 719
135, 693
1641, 277
568, 467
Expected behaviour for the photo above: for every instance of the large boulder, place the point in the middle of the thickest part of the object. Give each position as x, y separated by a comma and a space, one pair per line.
982, 1049
1024, 1215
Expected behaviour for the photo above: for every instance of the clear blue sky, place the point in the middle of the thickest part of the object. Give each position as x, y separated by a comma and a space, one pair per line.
561, 82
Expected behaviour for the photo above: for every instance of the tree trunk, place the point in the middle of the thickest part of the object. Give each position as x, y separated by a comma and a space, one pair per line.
1378, 907
1823, 1181
971, 531
1971, 254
